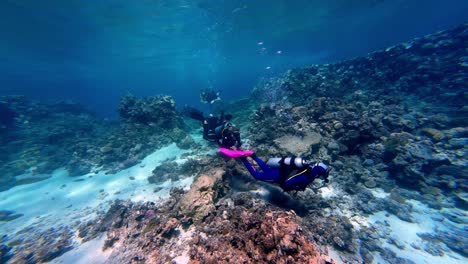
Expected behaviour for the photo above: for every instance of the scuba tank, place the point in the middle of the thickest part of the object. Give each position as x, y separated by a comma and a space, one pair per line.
288, 162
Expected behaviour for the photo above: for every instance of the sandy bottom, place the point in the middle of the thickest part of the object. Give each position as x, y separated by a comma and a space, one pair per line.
405, 233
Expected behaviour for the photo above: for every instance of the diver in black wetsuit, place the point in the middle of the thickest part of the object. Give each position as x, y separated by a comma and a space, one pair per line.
209, 96
217, 129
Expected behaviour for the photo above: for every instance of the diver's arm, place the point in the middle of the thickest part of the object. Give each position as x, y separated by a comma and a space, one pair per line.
297, 183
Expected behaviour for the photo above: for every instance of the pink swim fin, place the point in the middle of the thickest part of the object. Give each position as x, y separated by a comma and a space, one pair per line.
235, 153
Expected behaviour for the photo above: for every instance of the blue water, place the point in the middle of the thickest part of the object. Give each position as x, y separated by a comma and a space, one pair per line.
95, 52
391, 124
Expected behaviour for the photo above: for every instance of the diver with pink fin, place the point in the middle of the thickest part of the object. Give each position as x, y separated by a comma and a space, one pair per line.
290, 173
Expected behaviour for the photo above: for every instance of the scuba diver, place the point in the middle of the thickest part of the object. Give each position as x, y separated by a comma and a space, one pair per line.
209, 96
290, 173
217, 129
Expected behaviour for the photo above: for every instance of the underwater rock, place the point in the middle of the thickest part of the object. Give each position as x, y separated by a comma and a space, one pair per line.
156, 111
370, 183
366, 255
391, 257
461, 200
455, 241
455, 238
456, 216
237, 228
457, 143
199, 201
54, 243
75, 168
457, 132
5, 253
167, 170
333, 146
171, 170
6, 215
300, 145
251, 231
332, 230
433, 249
106, 149
402, 211
186, 143
396, 243
434, 134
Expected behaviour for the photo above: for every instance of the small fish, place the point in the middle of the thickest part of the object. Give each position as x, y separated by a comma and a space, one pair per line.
238, 9
279, 52
260, 43
267, 68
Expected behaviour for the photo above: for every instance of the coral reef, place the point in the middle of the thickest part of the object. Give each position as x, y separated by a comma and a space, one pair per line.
4, 253
393, 120
53, 243
250, 231
43, 138
375, 107
157, 111
171, 170
205, 226
392, 125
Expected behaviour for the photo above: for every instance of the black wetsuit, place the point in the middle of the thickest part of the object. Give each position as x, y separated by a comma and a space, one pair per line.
217, 129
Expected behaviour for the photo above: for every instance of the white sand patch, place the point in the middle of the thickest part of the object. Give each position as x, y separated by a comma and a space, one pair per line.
86, 253
183, 240
358, 221
406, 233
335, 255
379, 193
327, 192
62, 200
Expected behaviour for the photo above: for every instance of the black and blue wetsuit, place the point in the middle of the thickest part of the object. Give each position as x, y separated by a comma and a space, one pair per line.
290, 178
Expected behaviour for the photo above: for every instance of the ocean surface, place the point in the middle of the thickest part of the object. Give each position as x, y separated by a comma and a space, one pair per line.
104, 154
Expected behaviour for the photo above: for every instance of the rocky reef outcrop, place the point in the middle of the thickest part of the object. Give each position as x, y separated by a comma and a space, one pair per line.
205, 225
392, 125
157, 111
401, 107
44, 137
394, 120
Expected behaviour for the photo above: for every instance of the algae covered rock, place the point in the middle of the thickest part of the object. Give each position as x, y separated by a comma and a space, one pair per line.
159, 111
249, 231
199, 201
300, 145
433, 133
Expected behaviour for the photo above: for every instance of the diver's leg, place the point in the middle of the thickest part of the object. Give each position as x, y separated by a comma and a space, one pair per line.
255, 173
260, 162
